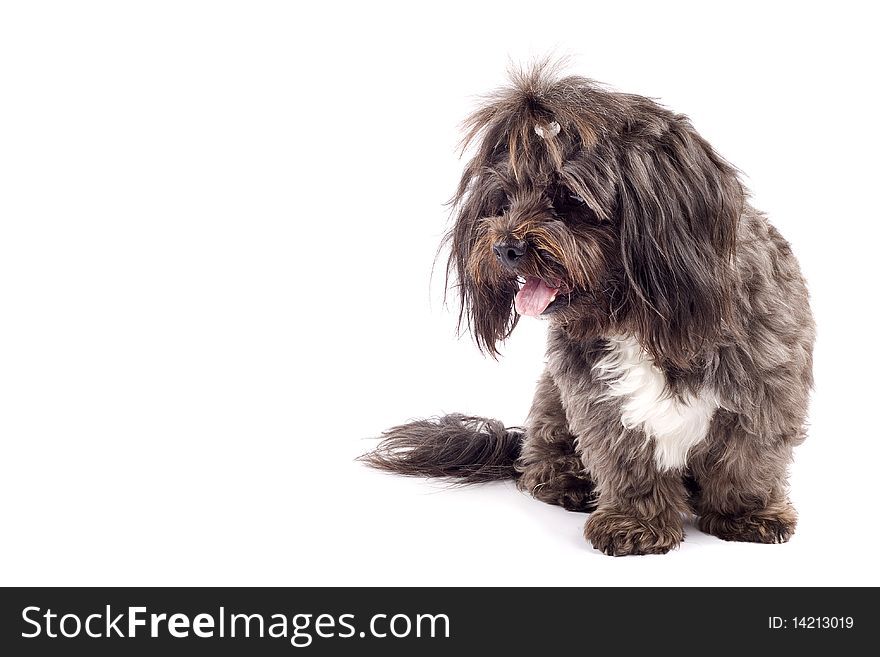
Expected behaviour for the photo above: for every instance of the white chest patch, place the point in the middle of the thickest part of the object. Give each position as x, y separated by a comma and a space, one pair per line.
675, 424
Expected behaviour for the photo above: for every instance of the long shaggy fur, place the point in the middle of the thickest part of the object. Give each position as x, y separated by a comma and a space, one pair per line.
680, 341
469, 449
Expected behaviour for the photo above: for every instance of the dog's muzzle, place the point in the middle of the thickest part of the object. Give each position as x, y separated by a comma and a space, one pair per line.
510, 252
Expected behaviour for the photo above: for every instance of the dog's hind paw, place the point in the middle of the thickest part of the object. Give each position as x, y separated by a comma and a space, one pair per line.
571, 492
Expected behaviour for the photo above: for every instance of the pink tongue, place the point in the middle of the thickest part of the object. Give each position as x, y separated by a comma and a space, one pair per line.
534, 297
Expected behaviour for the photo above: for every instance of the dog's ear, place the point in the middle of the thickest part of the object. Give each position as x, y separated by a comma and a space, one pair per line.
485, 300
678, 208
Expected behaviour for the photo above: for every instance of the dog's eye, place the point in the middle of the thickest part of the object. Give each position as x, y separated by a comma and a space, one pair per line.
567, 202
502, 204
573, 209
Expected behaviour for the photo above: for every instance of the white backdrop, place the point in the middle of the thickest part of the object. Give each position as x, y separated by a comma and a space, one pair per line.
218, 227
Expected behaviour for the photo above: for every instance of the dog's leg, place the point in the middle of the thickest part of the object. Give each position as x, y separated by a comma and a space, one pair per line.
640, 506
743, 483
549, 466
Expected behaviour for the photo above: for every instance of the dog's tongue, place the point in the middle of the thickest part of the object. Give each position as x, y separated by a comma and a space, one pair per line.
534, 297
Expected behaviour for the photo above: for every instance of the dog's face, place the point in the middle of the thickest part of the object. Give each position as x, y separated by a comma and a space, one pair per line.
540, 251
602, 211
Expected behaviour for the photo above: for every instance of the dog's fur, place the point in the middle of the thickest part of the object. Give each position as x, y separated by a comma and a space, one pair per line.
680, 342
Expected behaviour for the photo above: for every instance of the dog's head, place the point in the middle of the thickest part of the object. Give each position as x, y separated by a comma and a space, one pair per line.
603, 211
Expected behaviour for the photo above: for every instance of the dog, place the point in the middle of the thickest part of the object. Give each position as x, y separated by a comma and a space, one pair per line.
679, 356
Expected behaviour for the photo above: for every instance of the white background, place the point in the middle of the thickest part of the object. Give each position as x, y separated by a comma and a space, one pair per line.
218, 227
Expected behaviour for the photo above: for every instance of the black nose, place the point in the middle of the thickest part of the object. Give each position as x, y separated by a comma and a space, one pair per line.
510, 252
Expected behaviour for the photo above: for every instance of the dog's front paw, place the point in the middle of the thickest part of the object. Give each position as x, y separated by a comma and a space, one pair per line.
618, 534
774, 524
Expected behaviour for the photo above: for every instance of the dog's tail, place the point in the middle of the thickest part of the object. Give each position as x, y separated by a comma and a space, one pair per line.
469, 449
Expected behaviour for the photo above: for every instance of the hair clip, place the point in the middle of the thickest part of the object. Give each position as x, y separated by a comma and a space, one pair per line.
545, 131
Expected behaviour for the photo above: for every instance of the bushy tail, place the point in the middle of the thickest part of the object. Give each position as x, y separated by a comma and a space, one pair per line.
469, 449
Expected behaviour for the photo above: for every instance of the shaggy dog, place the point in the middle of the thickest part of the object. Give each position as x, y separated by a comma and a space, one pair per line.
680, 334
